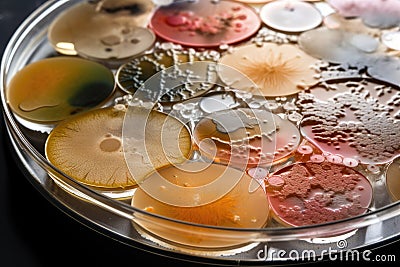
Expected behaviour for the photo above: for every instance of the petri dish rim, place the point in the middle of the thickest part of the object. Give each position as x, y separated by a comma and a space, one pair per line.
11, 61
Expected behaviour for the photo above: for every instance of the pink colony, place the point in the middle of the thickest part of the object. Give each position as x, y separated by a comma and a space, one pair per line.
315, 193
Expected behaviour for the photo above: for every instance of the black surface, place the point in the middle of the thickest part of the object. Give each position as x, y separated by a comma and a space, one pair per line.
33, 232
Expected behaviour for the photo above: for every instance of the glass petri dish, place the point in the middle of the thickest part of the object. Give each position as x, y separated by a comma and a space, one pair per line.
120, 220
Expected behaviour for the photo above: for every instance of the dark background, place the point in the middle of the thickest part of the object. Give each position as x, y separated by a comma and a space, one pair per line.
33, 232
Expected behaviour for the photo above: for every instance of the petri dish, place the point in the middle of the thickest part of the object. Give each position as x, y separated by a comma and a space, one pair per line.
132, 75
198, 241
354, 102
243, 137
90, 148
123, 33
220, 208
205, 23
276, 69
312, 193
290, 16
52, 96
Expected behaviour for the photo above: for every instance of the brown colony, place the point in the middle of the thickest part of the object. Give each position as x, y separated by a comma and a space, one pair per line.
89, 147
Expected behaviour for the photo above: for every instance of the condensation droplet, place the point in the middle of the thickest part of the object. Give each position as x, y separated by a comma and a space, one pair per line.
349, 162
254, 104
373, 168
305, 150
271, 106
334, 159
178, 107
317, 158
294, 117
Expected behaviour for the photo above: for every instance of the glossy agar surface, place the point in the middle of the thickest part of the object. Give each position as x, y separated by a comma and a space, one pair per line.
245, 137
290, 16
205, 23
356, 119
276, 70
313, 193
234, 208
113, 30
91, 147
53, 89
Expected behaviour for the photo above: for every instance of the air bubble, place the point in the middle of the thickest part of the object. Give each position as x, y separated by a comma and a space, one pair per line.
271, 106
178, 107
289, 106
373, 168
243, 95
255, 104
334, 159
317, 158
236, 218
295, 117
305, 149
349, 162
